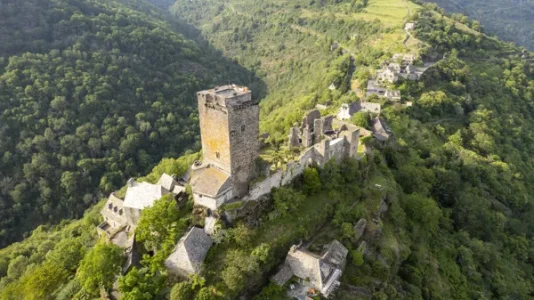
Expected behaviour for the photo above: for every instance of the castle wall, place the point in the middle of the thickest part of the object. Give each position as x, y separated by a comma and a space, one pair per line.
281, 178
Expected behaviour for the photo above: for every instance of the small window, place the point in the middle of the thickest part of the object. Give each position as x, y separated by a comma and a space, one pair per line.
242, 128
110, 206
115, 209
232, 133
218, 155
120, 212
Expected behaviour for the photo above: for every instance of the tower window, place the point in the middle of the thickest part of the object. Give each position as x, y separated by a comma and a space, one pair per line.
242, 128
232, 133
218, 155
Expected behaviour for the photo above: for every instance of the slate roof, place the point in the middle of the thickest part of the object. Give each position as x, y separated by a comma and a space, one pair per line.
379, 131
371, 107
336, 254
142, 195
189, 253
210, 181
283, 275
167, 181
307, 265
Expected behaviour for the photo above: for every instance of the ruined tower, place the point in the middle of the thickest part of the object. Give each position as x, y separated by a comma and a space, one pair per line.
229, 128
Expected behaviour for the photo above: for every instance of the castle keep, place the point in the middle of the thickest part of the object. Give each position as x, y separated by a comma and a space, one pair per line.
229, 128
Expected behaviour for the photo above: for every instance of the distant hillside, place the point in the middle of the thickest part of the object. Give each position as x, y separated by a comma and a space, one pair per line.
510, 20
91, 93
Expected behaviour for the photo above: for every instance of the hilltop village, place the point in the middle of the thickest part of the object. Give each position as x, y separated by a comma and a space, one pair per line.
229, 125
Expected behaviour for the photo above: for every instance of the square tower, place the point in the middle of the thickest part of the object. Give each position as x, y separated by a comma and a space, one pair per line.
229, 129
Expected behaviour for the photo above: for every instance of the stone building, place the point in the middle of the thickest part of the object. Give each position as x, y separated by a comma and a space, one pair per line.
374, 89
389, 74
189, 253
122, 215
320, 272
347, 110
229, 128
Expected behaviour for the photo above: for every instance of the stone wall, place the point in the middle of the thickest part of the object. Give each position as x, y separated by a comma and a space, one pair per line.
344, 146
244, 144
282, 177
214, 131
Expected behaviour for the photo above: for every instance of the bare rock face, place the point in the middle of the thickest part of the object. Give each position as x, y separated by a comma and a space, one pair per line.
383, 208
359, 228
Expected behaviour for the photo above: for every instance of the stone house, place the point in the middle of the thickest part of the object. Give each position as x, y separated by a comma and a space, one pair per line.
387, 75
189, 253
212, 186
379, 132
123, 215
409, 26
320, 272
393, 95
347, 110
405, 59
114, 217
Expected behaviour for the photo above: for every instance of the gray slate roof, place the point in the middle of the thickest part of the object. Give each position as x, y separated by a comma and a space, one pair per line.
190, 252
283, 275
167, 181
210, 181
336, 254
143, 194
379, 131
317, 269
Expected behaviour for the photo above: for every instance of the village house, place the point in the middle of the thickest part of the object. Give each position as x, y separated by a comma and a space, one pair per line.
405, 59
375, 89
189, 253
347, 110
317, 273
387, 75
229, 129
379, 131
409, 26
122, 215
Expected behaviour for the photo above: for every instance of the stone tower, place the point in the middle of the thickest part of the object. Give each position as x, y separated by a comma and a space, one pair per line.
229, 128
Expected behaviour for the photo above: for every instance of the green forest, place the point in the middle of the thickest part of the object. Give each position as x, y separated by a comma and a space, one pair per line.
93, 93
510, 20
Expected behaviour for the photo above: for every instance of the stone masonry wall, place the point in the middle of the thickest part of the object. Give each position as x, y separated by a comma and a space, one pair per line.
244, 144
214, 131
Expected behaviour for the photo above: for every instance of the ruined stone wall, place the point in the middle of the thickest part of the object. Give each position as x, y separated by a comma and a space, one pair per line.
281, 178
214, 131
337, 149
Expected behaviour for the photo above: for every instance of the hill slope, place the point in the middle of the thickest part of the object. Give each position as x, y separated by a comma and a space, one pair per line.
459, 146
453, 219
91, 94
510, 20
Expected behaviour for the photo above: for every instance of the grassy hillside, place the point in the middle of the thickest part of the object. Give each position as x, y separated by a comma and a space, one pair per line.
510, 20
454, 217
461, 159
91, 93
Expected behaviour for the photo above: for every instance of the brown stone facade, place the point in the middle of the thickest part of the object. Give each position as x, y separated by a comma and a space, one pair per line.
229, 127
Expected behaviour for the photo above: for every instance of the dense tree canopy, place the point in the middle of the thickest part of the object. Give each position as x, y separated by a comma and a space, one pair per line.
91, 93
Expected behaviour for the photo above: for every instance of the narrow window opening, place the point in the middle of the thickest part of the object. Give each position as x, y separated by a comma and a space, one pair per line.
242, 128
218, 155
